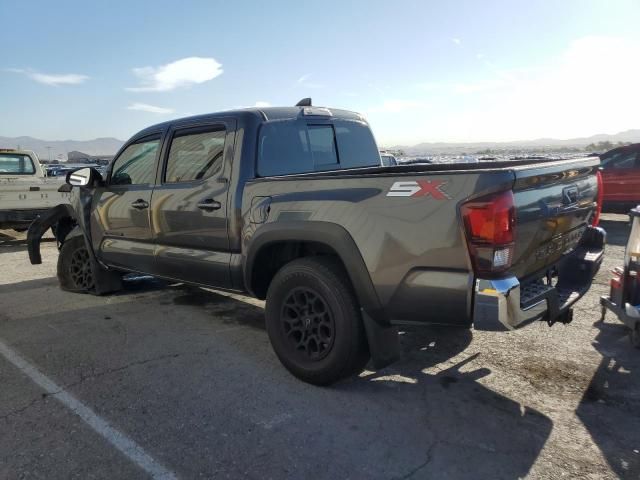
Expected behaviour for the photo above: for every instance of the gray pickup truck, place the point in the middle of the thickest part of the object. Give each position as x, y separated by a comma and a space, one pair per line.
293, 205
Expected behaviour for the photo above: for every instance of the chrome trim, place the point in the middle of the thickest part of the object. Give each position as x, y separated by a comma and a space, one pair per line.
499, 301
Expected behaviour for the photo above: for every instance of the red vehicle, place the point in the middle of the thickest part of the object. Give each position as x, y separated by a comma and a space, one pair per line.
621, 178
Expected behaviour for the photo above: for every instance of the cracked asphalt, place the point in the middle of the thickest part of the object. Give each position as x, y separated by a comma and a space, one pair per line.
189, 376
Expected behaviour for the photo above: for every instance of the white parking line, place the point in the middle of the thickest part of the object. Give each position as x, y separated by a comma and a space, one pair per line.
118, 439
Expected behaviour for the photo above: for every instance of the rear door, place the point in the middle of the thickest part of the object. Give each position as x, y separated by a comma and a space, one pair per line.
189, 205
120, 217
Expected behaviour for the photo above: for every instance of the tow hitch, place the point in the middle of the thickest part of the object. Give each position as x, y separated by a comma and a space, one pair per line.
564, 317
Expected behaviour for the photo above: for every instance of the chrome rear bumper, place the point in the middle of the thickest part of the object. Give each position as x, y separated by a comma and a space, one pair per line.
507, 304
497, 305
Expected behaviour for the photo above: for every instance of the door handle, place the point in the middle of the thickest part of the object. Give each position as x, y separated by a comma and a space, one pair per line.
209, 205
140, 204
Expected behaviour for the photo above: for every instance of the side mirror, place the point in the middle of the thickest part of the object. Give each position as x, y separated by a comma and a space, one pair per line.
84, 177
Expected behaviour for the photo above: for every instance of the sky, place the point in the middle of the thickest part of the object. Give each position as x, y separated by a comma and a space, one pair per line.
419, 71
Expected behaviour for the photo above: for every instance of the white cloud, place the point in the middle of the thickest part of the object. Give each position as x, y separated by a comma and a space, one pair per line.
54, 80
181, 73
457, 41
145, 107
303, 81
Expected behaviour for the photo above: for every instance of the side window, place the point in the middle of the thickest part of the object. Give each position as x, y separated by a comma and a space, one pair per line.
620, 161
136, 165
625, 161
195, 155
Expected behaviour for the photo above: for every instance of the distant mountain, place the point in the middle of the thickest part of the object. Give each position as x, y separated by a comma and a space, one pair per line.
539, 143
109, 146
60, 148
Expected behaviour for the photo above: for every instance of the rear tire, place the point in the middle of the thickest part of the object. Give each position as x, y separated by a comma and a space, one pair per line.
75, 272
314, 323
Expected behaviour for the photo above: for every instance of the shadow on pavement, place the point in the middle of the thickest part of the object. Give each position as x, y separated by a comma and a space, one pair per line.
610, 407
478, 433
472, 431
617, 230
17, 243
174, 372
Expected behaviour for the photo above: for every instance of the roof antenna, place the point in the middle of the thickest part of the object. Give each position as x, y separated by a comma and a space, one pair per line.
305, 102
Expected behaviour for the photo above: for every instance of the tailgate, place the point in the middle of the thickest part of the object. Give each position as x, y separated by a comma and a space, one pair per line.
27, 195
554, 204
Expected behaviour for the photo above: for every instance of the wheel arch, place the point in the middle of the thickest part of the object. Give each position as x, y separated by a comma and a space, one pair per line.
318, 238
382, 337
63, 213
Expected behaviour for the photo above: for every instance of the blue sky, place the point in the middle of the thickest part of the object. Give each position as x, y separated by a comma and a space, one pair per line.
418, 70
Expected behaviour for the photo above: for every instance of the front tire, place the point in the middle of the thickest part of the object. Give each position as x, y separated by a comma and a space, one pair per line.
314, 322
75, 272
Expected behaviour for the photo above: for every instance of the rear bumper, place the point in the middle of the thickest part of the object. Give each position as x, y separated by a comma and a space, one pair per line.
507, 304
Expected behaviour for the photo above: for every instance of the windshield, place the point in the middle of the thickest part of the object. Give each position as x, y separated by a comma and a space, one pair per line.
16, 164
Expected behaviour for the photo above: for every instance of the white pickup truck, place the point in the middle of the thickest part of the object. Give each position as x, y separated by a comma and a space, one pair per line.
25, 190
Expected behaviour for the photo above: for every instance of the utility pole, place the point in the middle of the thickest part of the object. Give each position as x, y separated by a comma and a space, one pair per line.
49, 149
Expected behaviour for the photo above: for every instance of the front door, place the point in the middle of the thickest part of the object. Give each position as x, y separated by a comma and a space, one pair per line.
189, 205
120, 215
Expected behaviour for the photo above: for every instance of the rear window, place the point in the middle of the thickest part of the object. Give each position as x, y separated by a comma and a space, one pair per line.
301, 146
16, 164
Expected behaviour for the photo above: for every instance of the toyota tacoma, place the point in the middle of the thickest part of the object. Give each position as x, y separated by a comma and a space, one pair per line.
293, 205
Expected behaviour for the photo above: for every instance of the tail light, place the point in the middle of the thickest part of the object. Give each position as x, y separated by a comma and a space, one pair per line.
490, 224
599, 200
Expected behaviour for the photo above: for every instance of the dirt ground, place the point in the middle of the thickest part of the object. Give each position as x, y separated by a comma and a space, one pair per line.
187, 377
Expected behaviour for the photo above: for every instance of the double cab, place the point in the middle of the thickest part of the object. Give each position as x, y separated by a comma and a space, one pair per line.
294, 205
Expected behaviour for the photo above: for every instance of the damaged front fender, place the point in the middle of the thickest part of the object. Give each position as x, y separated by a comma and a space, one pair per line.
43, 223
79, 213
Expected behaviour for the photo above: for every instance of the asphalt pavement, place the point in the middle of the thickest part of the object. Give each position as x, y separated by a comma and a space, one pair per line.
168, 381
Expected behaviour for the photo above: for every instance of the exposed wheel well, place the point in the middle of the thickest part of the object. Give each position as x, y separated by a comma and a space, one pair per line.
63, 227
274, 256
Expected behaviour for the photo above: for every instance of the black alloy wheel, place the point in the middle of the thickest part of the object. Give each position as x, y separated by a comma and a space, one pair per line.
308, 323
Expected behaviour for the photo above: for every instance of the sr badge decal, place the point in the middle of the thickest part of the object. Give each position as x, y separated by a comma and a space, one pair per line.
420, 188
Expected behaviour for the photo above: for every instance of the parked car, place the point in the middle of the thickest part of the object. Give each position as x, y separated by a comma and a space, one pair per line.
25, 192
621, 178
387, 159
292, 205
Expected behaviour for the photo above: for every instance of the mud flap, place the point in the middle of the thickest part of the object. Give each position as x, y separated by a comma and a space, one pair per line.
384, 342
105, 281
